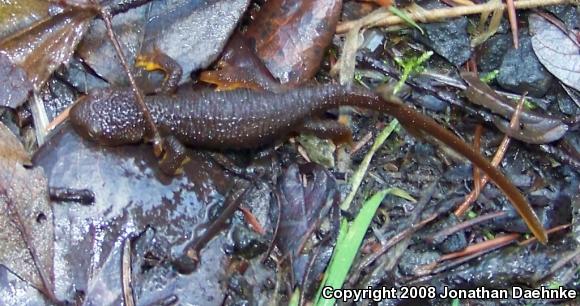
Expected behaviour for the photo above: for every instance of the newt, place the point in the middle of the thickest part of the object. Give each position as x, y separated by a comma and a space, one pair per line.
245, 119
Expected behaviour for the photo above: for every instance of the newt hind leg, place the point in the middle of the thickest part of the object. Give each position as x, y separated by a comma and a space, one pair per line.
327, 129
174, 156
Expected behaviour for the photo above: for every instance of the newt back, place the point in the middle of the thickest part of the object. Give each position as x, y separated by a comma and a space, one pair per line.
237, 119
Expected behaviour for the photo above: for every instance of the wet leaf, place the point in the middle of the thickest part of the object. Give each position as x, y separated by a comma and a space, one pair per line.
291, 36
192, 32
131, 194
11, 149
97, 51
15, 85
35, 52
26, 219
302, 207
535, 128
16, 15
556, 51
320, 151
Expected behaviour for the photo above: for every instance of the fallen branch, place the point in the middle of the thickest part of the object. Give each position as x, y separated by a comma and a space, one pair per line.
387, 19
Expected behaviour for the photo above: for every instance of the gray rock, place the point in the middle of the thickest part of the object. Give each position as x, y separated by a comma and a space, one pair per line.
492, 52
567, 13
521, 71
430, 102
449, 39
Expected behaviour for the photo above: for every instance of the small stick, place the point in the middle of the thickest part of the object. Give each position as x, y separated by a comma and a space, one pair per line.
448, 231
482, 246
550, 231
477, 183
495, 161
511, 9
58, 119
126, 273
152, 128
438, 14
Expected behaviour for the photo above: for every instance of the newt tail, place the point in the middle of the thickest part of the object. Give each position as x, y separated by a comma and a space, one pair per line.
244, 119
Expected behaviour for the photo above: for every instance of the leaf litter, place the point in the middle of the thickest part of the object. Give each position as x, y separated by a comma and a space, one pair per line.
26, 219
556, 50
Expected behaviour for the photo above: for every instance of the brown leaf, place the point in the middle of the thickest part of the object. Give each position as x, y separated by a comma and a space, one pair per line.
36, 52
556, 51
535, 128
11, 149
302, 207
26, 219
291, 36
16, 15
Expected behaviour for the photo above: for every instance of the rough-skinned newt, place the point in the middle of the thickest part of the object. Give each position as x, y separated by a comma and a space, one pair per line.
245, 119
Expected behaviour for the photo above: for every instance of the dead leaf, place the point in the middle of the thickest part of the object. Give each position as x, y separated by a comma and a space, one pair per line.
26, 219
291, 36
131, 194
16, 15
556, 51
35, 52
302, 207
11, 149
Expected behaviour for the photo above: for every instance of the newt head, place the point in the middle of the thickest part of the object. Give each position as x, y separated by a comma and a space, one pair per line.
109, 117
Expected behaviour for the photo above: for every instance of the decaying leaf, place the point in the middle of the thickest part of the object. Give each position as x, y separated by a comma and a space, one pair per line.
302, 207
307, 195
291, 36
535, 128
556, 51
35, 52
26, 220
15, 15
130, 195
11, 149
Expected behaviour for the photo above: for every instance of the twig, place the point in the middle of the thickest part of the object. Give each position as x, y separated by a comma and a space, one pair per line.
359, 144
151, 127
469, 253
550, 231
446, 232
511, 9
58, 119
126, 273
385, 19
362, 169
482, 246
514, 122
40, 118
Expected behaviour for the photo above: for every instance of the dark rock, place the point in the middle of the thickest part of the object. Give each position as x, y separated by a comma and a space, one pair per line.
492, 52
567, 13
430, 102
448, 244
521, 71
449, 39
413, 259
558, 213
567, 105
244, 242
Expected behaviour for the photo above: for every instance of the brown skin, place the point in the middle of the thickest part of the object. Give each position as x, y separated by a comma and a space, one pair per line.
243, 119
